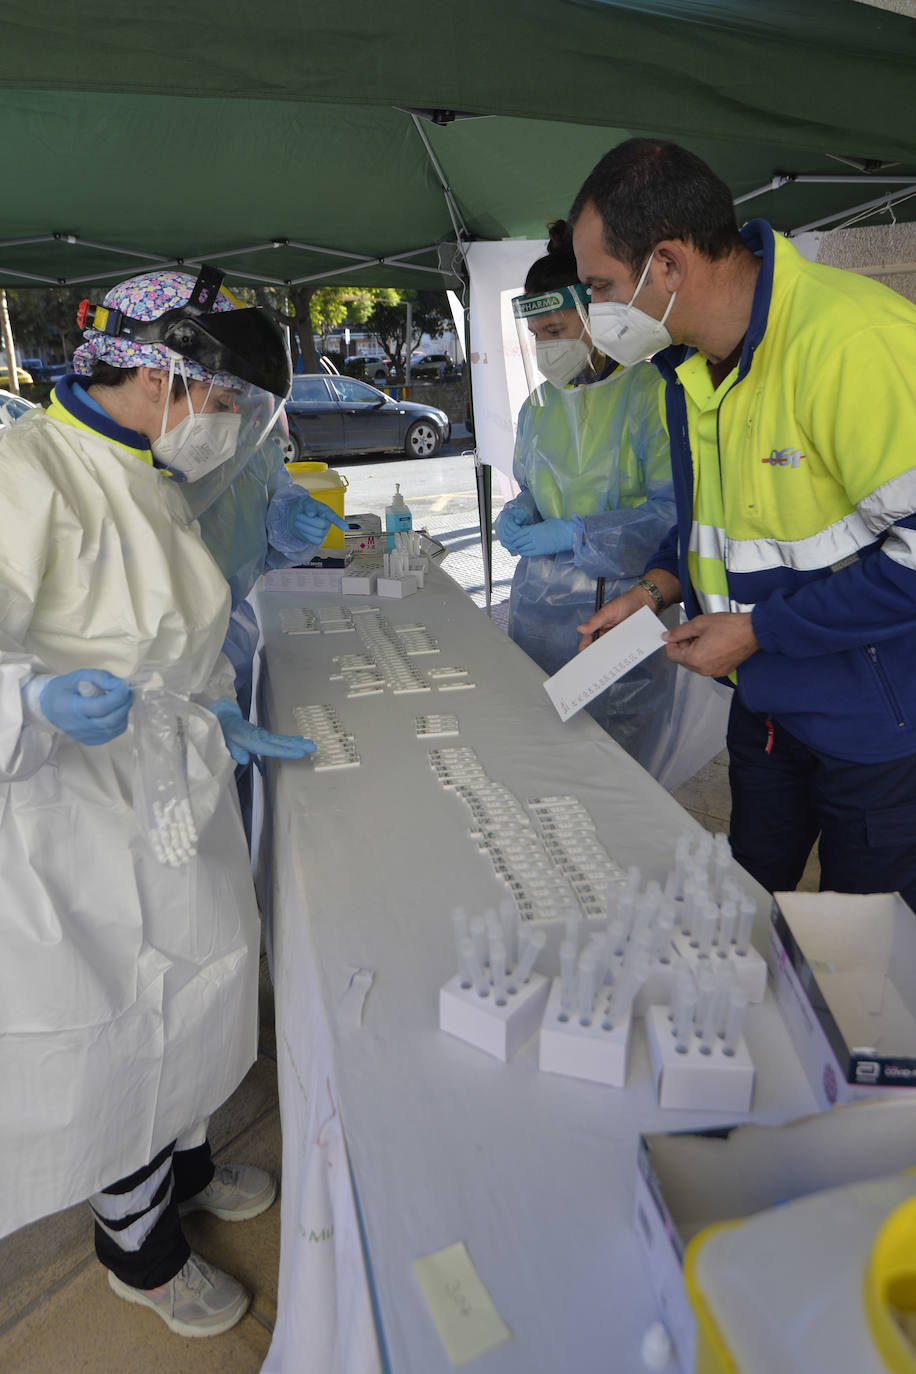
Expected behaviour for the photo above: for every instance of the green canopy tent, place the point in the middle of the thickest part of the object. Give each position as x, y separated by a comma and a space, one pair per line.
291, 142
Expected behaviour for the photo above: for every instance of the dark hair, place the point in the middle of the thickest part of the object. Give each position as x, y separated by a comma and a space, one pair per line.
103, 374
646, 191
558, 268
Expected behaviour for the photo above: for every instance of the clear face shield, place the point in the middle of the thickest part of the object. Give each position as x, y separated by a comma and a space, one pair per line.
554, 341
223, 423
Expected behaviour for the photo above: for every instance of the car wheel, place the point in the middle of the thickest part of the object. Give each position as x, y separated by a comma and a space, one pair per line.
289, 445
422, 440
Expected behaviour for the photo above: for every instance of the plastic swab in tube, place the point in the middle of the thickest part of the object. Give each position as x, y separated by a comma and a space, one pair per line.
629, 981
536, 942
747, 909
706, 987
706, 929
478, 929
498, 971
468, 965
734, 1021
567, 979
727, 924
586, 987
683, 1020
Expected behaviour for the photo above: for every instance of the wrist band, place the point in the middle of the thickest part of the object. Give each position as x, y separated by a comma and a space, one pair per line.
654, 593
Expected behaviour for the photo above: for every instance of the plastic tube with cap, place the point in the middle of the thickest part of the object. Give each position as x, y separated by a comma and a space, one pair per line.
681, 851
727, 922
747, 910
522, 972
683, 1021
734, 1021
586, 986
567, 978
706, 929
663, 932
478, 931
498, 971
508, 919
627, 985
706, 987
468, 964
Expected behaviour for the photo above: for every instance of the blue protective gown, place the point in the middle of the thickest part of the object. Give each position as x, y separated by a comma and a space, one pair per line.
598, 455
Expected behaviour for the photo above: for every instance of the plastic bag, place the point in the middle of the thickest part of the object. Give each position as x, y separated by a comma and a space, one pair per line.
161, 795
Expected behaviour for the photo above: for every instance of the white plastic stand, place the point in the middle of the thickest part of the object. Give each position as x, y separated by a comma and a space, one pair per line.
750, 967
397, 586
499, 1030
715, 1082
358, 584
589, 1052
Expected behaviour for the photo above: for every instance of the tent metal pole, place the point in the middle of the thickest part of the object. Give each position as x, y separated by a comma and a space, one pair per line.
882, 203
458, 224
483, 475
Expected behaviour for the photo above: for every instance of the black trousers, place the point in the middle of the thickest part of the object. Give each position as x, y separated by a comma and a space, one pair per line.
785, 795
138, 1233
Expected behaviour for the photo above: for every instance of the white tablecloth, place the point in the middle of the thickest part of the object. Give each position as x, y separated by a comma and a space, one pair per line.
534, 1172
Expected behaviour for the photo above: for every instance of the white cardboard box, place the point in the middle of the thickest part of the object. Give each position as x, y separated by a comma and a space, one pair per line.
844, 977
691, 1180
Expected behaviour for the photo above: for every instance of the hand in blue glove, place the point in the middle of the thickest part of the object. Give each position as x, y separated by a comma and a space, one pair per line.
310, 520
244, 739
550, 536
509, 524
89, 705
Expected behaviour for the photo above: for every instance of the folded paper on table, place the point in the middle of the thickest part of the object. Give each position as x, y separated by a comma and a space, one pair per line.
466, 1319
603, 662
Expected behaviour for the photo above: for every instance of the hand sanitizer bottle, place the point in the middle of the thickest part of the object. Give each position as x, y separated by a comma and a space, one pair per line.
397, 516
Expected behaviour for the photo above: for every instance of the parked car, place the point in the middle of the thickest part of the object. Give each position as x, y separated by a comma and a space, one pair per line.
329, 416
12, 407
433, 367
370, 366
25, 378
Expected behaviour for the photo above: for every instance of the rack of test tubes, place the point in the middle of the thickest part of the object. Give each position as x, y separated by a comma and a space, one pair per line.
713, 912
699, 1055
496, 999
586, 1028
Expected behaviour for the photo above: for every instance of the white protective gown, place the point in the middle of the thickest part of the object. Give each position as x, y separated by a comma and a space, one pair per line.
128, 990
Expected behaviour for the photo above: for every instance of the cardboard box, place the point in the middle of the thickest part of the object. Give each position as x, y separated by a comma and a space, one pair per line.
844, 977
688, 1181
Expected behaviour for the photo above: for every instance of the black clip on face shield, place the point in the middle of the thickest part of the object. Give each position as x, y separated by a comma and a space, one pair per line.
245, 343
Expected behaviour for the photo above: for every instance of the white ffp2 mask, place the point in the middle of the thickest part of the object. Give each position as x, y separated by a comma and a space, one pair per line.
560, 360
626, 333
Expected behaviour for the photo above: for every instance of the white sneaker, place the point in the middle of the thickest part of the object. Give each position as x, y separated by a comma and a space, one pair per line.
199, 1301
235, 1193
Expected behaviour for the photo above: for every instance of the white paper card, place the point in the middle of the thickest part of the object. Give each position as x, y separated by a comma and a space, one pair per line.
468, 1323
603, 662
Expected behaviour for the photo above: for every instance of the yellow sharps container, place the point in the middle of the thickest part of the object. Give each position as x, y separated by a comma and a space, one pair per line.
325, 485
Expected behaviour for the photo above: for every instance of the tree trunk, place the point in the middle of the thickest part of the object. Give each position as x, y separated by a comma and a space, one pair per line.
9, 348
301, 301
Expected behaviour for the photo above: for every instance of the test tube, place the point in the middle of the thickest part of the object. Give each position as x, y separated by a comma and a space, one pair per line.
616, 940
537, 939
597, 943
706, 929
508, 919
683, 1019
468, 964
586, 987
747, 909
683, 982
571, 927
567, 978
728, 920
706, 987
726, 977
688, 906
498, 971
627, 985
478, 930
734, 1021
681, 850
663, 933
708, 1026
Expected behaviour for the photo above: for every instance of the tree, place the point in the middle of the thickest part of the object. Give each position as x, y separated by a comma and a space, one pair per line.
308, 310
44, 320
388, 322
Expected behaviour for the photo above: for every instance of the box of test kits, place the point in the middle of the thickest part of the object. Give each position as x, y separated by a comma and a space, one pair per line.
844, 977
689, 1181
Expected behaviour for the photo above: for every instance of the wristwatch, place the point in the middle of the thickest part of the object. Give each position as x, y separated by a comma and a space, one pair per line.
654, 593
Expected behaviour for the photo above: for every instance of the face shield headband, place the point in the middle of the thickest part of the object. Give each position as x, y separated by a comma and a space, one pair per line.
553, 338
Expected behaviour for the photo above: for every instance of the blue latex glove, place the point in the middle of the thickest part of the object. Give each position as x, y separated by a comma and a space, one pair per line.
89, 705
244, 739
310, 520
550, 536
509, 524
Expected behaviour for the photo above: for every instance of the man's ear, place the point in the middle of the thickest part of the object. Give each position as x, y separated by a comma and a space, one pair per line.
673, 258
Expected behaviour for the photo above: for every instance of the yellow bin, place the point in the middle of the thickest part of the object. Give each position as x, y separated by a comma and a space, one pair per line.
325, 485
